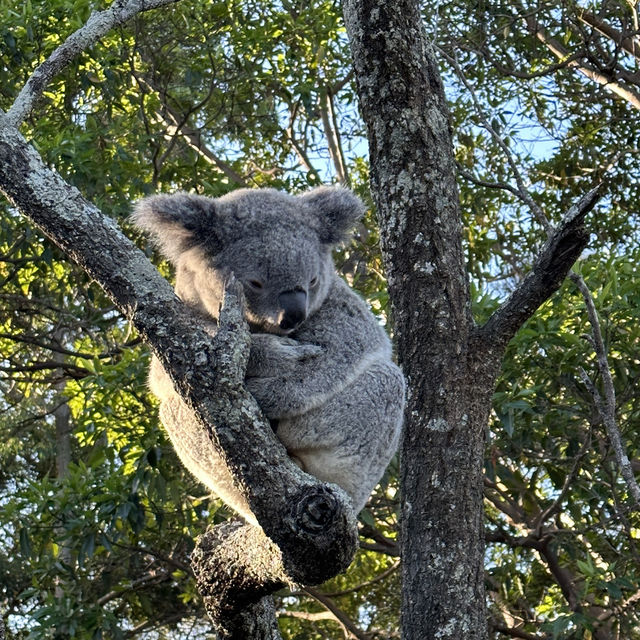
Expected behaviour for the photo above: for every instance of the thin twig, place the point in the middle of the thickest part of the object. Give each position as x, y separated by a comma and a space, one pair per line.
467, 175
378, 578
521, 191
516, 633
340, 615
606, 405
553, 508
296, 144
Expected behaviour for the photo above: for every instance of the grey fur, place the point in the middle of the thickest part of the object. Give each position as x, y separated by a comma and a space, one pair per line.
328, 384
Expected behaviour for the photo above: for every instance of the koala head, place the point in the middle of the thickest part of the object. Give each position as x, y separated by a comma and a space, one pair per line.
277, 245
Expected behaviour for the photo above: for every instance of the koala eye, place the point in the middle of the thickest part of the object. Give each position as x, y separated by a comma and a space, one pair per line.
314, 281
255, 284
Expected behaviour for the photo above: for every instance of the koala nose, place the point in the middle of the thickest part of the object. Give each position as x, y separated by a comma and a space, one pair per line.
294, 305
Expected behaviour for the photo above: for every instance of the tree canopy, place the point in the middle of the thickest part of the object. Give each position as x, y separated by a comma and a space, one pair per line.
97, 516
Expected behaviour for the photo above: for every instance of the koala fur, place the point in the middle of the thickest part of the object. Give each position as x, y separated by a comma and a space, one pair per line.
320, 364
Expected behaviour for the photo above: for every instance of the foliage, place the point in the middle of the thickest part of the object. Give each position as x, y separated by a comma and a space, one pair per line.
208, 96
562, 527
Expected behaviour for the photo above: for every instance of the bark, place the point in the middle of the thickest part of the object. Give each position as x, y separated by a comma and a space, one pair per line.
312, 524
236, 568
413, 181
450, 364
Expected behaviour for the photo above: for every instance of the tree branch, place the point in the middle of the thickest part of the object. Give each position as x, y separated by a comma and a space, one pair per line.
554, 507
630, 44
367, 583
467, 175
236, 567
606, 406
340, 615
560, 52
328, 117
49, 346
312, 523
560, 251
152, 577
297, 145
516, 633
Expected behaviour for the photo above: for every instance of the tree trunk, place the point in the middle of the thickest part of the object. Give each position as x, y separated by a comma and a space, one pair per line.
451, 365
413, 181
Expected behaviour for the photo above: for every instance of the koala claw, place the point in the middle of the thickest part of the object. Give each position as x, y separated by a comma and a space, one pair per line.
300, 351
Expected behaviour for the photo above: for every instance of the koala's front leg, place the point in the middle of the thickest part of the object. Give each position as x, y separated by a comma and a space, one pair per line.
282, 374
302, 379
273, 355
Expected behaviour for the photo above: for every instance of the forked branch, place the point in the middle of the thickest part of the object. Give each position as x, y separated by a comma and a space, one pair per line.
311, 523
551, 266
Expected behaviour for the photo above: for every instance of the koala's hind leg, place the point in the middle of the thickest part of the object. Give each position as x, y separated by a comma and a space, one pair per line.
351, 438
197, 453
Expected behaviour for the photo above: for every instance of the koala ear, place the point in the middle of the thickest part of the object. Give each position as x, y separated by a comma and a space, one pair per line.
178, 222
337, 209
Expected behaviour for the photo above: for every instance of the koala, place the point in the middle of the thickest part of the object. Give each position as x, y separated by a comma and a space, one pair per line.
320, 365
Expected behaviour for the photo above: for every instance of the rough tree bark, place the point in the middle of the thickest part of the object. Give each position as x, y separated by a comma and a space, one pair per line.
451, 365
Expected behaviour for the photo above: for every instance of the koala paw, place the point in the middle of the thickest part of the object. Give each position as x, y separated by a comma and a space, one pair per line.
262, 391
273, 355
275, 397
